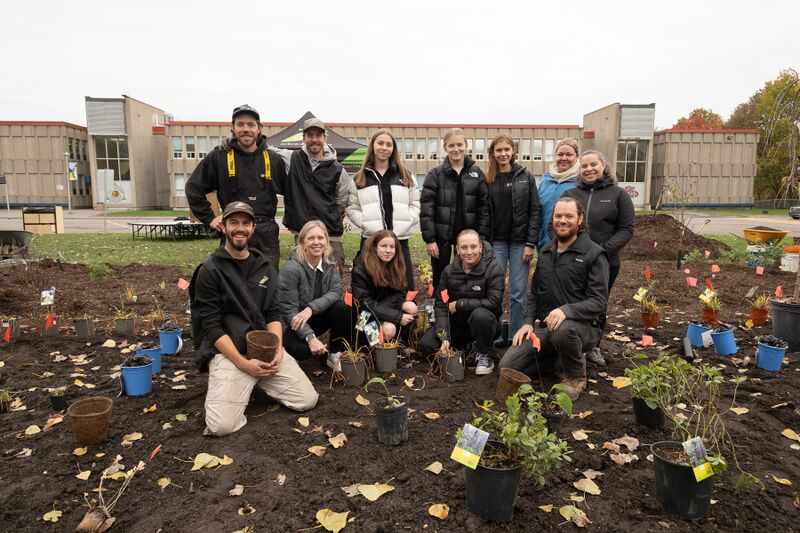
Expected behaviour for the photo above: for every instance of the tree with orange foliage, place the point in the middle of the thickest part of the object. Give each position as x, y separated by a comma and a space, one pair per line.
700, 119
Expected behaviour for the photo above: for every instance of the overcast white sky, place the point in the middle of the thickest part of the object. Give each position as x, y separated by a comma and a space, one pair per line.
406, 61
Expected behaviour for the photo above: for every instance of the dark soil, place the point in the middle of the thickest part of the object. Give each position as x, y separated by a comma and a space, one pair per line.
270, 444
657, 237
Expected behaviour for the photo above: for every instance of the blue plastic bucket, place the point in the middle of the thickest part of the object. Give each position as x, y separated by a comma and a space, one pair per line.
137, 380
171, 341
695, 334
154, 354
724, 342
769, 357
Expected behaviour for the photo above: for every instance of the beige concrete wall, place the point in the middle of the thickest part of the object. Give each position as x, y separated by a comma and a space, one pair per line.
32, 159
605, 124
718, 165
147, 153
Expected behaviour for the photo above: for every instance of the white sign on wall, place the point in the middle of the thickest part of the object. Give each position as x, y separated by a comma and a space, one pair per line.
636, 192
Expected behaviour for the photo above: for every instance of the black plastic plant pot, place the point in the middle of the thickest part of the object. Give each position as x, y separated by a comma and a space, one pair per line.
58, 402
84, 327
386, 359
452, 367
647, 417
124, 326
355, 373
492, 492
392, 422
677, 490
554, 420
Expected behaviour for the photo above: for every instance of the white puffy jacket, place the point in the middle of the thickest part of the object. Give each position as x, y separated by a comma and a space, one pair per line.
365, 206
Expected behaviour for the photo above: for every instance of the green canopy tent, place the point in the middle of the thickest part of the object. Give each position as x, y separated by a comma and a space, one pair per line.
348, 152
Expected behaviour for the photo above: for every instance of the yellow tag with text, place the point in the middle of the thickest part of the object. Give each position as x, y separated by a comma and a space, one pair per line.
702, 472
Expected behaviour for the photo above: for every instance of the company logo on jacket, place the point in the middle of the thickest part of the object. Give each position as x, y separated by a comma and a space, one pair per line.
476, 288
263, 281
473, 174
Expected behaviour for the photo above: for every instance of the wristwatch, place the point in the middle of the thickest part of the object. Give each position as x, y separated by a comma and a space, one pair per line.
310, 337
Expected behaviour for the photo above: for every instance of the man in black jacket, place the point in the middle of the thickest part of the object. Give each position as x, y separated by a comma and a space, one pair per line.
234, 291
469, 302
569, 293
241, 169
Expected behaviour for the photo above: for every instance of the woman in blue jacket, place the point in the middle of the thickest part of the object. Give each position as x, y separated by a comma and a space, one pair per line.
563, 175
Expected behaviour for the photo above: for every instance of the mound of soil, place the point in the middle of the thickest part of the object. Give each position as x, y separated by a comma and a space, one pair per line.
658, 237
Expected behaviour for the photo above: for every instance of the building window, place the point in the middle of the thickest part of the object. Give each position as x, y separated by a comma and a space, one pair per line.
420, 151
83, 150
525, 150
214, 142
408, 148
433, 148
469, 147
112, 154
71, 150
202, 147
180, 184
177, 148
190, 148
631, 161
361, 140
537, 149
480, 149
549, 148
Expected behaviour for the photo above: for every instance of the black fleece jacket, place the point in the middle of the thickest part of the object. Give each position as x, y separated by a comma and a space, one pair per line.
384, 302
524, 208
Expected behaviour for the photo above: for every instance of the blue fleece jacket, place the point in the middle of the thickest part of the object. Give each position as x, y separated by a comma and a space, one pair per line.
550, 191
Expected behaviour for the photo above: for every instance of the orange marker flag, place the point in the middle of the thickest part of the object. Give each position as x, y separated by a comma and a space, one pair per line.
380, 334
647, 340
49, 322
411, 295
759, 270
7, 334
445, 296
348, 298
692, 282
183, 284
647, 274
535, 340
779, 291
430, 290
715, 268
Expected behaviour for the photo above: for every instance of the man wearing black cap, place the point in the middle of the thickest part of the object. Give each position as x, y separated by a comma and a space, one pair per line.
241, 169
318, 186
234, 291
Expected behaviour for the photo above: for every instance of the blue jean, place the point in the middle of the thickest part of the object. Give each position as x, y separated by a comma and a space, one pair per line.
507, 252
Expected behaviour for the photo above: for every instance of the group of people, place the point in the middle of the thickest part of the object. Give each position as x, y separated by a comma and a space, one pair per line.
577, 219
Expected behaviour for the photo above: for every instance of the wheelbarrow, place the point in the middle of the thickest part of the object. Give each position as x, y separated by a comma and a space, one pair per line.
14, 243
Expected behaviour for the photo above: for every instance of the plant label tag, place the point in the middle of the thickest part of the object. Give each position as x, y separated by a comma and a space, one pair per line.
707, 296
372, 332
469, 446
751, 292
363, 318
697, 459
641, 293
692, 282
48, 296
759, 271
707, 340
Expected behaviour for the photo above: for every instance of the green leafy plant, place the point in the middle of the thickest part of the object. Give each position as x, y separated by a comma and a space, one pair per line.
120, 313
353, 353
760, 302
695, 256
5, 400
391, 401
651, 379
649, 304
59, 391
556, 398
522, 430
713, 303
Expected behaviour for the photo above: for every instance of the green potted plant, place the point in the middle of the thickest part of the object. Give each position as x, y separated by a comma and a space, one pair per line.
647, 382
124, 321
391, 415
58, 398
84, 326
710, 309
5, 400
353, 360
651, 311
450, 360
759, 310
519, 441
556, 406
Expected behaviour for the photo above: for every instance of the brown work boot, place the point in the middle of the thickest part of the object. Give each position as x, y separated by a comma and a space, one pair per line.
575, 386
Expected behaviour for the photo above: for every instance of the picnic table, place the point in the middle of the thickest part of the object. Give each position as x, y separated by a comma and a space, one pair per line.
174, 229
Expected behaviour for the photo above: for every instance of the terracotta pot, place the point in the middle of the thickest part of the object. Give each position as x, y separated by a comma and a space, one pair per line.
509, 382
709, 316
758, 316
650, 320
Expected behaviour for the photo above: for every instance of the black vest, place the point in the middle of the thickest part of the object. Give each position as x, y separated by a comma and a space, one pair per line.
312, 195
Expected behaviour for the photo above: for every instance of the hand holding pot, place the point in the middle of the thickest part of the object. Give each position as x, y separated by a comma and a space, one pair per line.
275, 364
256, 368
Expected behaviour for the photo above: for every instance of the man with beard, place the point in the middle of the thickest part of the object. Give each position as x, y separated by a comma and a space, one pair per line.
318, 186
569, 293
241, 169
234, 291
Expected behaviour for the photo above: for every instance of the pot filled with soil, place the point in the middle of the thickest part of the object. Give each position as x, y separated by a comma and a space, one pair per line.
507, 384
451, 365
677, 490
169, 335
385, 357
124, 325
151, 350
709, 315
695, 332
724, 341
649, 417
48, 326
650, 320
785, 318
354, 372
9, 329
770, 352
58, 399
492, 491
84, 327
90, 417
391, 417
554, 415
137, 376
261, 345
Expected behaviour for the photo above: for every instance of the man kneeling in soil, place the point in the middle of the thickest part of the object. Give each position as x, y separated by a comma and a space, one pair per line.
233, 291
569, 293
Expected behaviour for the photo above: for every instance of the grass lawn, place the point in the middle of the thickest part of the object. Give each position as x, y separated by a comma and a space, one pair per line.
98, 250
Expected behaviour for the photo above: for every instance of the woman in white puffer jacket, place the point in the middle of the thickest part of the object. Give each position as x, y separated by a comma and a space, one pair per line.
386, 196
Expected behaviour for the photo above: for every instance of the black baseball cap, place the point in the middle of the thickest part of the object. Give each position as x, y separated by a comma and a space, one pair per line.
244, 108
238, 207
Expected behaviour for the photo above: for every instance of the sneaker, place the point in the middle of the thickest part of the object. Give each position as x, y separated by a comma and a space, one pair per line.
574, 386
596, 357
335, 361
483, 364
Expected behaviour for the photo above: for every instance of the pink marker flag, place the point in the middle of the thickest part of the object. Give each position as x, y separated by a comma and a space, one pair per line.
647, 340
779, 291
535, 340
183, 284
715, 268
687, 271
692, 282
759, 271
647, 274
430, 290
707, 253
411, 295
348, 299
445, 296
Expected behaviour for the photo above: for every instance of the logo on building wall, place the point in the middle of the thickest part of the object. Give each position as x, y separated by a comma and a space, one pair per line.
631, 190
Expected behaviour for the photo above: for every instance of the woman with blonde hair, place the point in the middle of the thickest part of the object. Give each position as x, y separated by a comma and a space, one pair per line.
386, 196
311, 298
378, 280
454, 198
514, 208
563, 175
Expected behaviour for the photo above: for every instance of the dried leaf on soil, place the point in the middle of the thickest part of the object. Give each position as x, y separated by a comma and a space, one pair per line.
319, 451
150, 409
351, 490
546, 508
356, 424
629, 442
180, 417
280, 479
740, 410
237, 490
24, 452
578, 499
247, 509
409, 382
374, 491
110, 343
166, 425
623, 458
83, 474
790, 434
332, 521
588, 486
439, 510
33, 429
782, 481
435, 467
206, 460
581, 434
360, 400
584, 414
338, 441
163, 482
130, 438
79, 451
574, 515
432, 416
621, 382
304, 421
52, 421
591, 474
52, 516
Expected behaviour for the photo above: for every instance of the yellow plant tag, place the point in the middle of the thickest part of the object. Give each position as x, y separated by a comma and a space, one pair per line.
702, 472
469, 446
640, 294
707, 296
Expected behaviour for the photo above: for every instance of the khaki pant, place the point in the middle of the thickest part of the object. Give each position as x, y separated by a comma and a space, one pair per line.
229, 392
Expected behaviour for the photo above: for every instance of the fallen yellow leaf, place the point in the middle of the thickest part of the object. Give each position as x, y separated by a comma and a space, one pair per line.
319, 451
338, 441
52, 421
84, 474
584, 414
332, 521
163, 482
740, 410
621, 382
360, 400
574, 515
432, 416
439, 510
435, 467
304, 421
206, 460
374, 491
588, 486
629, 442
52, 516
79, 451
409, 382
32, 430
790, 434
782, 481
580, 434
546, 508
180, 417
150, 409
115, 475
78, 383
130, 438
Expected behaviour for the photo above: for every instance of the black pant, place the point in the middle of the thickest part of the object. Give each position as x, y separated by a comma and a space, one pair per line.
437, 265
612, 276
338, 318
265, 240
406, 257
480, 326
